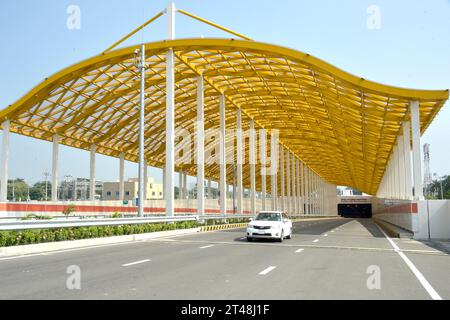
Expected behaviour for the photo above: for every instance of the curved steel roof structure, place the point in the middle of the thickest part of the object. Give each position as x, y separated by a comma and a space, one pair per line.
342, 126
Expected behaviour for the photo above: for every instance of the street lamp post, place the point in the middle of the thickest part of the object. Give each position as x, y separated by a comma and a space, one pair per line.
13, 192
28, 191
46, 175
234, 189
67, 178
140, 65
74, 189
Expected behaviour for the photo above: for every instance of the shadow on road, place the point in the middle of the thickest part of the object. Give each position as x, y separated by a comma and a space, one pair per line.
370, 226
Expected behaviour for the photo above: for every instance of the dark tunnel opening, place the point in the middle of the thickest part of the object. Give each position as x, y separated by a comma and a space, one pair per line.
355, 210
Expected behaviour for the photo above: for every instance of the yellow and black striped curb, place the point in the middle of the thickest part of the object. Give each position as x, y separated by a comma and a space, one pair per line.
223, 226
243, 225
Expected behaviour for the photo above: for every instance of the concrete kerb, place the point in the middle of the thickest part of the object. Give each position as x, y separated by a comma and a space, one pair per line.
84, 243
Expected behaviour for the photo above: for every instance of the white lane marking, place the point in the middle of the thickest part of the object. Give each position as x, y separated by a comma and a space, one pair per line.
332, 230
325, 235
267, 270
136, 262
424, 282
317, 240
209, 246
285, 244
299, 250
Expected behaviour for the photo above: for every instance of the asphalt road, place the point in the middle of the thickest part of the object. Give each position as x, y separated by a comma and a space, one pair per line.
326, 259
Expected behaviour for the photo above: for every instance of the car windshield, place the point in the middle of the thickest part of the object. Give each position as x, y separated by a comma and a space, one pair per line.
268, 216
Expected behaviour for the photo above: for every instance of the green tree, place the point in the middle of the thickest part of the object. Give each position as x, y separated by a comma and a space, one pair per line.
17, 190
440, 188
37, 191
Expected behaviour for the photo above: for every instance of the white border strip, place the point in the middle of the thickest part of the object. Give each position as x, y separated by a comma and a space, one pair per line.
434, 295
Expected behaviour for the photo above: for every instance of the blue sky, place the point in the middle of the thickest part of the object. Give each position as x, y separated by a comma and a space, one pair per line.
411, 49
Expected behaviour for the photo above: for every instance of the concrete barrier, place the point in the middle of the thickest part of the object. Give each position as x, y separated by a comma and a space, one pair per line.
426, 219
394, 231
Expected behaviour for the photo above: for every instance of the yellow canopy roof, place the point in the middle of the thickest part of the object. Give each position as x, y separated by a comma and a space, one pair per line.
342, 126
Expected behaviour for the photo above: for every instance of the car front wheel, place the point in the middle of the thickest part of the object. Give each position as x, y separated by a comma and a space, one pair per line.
249, 239
290, 235
281, 237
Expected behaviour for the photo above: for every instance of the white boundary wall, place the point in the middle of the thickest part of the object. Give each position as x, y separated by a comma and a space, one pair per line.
427, 219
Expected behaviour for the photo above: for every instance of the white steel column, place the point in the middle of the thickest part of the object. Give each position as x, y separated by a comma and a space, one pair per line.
389, 176
163, 182
407, 159
288, 182
310, 189
294, 203
141, 174
283, 197
302, 187
299, 194
306, 183
55, 167
417, 164
322, 197
273, 170
394, 172
170, 115
122, 176
180, 184
223, 163
239, 161
401, 165
252, 156
5, 161
318, 193
200, 148
145, 180
263, 145
313, 197
210, 196
92, 173
171, 11
313, 184
398, 168
319, 212
185, 186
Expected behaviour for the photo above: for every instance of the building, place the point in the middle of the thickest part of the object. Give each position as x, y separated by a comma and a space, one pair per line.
78, 189
111, 190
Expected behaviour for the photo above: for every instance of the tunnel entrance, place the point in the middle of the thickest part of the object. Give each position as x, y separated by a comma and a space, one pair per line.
355, 210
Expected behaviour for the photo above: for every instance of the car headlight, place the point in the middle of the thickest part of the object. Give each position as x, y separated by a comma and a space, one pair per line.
250, 226
275, 227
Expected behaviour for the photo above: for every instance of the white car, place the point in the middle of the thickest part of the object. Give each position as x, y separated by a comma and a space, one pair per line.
270, 225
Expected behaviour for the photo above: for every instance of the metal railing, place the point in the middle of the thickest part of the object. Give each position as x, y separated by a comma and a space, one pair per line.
77, 222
